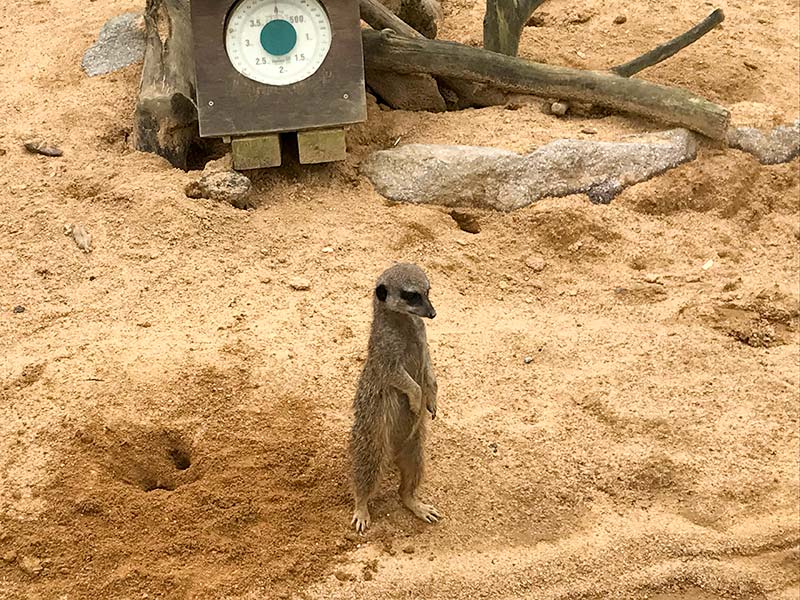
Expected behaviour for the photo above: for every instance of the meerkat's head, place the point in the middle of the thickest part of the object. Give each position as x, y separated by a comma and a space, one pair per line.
404, 288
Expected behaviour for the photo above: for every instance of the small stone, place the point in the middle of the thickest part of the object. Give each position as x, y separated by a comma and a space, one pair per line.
536, 263
31, 565
503, 285
343, 576
327, 249
10, 556
620, 19
409, 549
299, 284
18, 310
528, 360
708, 264
652, 278
559, 109
145, 324
751, 66
588, 131
692, 278
82, 238
43, 148
466, 221
224, 186
572, 293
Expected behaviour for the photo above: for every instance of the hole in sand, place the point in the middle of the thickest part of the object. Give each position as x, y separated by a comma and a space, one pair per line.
180, 459
149, 459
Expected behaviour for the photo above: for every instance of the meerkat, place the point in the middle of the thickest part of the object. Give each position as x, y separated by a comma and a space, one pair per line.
396, 386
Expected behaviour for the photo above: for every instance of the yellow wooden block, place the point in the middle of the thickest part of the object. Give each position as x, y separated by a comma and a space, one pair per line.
321, 145
256, 152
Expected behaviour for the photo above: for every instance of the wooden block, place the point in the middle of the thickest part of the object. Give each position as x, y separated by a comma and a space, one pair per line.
256, 152
321, 145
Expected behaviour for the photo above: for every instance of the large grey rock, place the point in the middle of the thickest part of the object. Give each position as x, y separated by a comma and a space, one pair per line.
779, 145
120, 43
488, 177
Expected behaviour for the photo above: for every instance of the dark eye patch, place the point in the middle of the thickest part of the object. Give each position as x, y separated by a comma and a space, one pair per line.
411, 297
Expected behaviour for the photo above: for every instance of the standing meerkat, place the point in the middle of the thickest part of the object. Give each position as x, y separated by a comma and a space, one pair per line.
395, 387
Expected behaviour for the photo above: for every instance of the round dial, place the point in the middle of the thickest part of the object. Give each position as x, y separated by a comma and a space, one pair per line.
277, 42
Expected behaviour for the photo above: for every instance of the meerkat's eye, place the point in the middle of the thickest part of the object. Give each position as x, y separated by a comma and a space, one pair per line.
411, 297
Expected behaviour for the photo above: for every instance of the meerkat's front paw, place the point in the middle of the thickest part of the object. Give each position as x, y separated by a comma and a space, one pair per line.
426, 512
361, 520
431, 406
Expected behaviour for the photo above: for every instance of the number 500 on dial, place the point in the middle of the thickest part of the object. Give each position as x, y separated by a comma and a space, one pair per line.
277, 42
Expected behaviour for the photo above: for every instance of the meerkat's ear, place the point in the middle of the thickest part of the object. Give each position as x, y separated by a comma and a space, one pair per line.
381, 292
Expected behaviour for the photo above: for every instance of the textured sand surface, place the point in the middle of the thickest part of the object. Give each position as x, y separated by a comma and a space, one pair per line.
173, 414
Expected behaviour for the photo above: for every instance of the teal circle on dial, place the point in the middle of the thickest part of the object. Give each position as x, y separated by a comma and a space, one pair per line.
278, 37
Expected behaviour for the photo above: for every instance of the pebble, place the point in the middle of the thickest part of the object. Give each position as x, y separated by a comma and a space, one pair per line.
708, 264
559, 109
536, 263
299, 284
43, 148
652, 278
692, 278
10, 556
31, 565
18, 310
528, 360
327, 249
620, 19
343, 576
466, 221
82, 238
409, 549
588, 131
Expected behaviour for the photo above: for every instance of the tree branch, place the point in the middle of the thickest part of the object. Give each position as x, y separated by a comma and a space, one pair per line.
386, 51
673, 46
377, 16
503, 23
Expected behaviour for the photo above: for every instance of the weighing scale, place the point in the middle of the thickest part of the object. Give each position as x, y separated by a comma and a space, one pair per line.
265, 67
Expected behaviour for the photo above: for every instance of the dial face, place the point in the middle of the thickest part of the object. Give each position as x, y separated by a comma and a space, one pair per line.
277, 42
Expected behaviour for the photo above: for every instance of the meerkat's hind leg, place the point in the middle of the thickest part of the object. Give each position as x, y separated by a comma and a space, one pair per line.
411, 465
367, 456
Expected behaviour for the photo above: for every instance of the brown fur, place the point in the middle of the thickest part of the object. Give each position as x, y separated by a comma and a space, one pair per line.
396, 383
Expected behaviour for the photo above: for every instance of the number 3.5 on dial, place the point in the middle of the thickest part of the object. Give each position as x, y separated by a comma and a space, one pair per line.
277, 42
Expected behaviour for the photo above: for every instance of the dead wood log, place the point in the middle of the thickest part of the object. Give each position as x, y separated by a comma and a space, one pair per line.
387, 51
165, 121
415, 91
667, 49
503, 23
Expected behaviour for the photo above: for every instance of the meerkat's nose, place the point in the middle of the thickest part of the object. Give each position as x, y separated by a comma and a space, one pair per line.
432, 313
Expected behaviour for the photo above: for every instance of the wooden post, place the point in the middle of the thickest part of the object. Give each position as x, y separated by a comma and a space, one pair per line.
165, 122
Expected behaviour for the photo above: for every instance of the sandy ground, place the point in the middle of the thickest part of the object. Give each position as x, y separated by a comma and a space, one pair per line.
615, 421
